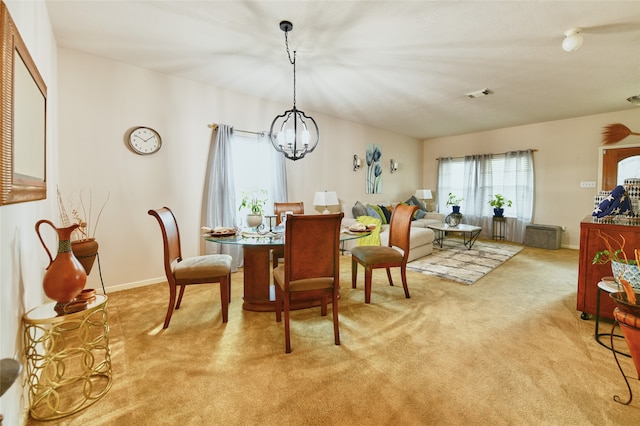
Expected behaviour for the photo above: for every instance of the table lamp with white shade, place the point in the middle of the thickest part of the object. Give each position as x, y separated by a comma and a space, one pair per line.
325, 198
424, 195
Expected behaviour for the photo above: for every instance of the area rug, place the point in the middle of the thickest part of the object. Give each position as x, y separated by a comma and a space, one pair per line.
455, 263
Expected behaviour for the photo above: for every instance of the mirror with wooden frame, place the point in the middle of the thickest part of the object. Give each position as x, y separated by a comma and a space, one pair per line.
23, 107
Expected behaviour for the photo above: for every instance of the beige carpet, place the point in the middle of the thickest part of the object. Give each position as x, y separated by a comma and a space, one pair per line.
509, 350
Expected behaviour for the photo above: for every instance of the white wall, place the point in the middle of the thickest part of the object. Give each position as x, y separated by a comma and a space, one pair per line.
22, 258
101, 99
568, 153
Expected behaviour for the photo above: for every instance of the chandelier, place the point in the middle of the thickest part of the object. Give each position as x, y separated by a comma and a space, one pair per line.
293, 133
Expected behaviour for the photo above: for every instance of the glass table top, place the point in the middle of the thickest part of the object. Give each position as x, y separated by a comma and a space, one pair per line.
253, 238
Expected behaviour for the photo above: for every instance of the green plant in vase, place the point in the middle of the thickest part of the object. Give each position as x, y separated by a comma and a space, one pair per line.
254, 201
497, 202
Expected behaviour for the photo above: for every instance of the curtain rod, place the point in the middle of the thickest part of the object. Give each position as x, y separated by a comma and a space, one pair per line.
501, 153
214, 126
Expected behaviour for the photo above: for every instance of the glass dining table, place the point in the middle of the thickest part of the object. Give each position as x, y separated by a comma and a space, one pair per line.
259, 292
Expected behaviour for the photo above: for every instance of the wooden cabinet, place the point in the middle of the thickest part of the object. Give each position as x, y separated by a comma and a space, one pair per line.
588, 274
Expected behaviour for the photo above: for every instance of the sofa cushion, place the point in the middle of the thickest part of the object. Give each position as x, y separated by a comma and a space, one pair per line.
359, 209
374, 211
413, 201
386, 212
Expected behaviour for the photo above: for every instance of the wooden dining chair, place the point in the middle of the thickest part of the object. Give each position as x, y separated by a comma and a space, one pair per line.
311, 269
293, 207
180, 272
393, 255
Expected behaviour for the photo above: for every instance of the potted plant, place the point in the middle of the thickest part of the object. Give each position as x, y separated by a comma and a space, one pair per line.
254, 201
497, 202
622, 268
454, 202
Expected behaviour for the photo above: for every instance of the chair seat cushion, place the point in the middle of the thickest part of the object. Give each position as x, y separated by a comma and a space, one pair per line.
199, 267
306, 284
371, 255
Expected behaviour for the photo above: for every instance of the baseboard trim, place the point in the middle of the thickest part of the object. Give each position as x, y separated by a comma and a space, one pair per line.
135, 284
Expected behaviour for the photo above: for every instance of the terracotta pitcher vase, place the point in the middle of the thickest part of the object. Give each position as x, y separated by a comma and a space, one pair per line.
65, 277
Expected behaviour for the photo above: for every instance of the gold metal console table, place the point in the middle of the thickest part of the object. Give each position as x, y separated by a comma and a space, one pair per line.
68, 359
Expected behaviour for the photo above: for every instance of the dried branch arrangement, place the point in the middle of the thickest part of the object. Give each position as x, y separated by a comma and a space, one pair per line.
84, 220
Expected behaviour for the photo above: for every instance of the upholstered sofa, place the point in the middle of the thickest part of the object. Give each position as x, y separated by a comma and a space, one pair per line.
421, 240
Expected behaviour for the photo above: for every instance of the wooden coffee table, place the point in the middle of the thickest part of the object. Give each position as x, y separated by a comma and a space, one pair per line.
469, 233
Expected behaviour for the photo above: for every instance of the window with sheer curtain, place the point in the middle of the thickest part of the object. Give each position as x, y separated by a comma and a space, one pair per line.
256, 167
236, 164
477, 178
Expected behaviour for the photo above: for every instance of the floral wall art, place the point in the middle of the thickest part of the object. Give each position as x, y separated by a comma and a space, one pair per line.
374, 169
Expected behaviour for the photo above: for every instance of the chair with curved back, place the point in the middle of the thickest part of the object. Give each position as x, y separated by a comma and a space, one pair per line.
373, 257
278, 208
180, 272
311, 269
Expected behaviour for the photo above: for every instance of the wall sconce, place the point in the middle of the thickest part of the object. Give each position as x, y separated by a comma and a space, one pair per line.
357, 162
393, 165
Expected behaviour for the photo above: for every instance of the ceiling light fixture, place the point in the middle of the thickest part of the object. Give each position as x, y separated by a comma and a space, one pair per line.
573, 40
293, 133
634, 100
479, 93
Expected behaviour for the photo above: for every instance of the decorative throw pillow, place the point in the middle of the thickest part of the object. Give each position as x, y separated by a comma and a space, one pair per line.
420, 214
359, 209
386, 213
373, 212
413, 201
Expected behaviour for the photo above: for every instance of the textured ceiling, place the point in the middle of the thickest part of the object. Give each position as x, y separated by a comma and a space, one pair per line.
398, 65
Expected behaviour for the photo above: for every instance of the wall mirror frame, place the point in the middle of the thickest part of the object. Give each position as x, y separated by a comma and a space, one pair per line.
23, 108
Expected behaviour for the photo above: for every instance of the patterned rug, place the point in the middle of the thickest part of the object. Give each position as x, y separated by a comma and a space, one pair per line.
454, 262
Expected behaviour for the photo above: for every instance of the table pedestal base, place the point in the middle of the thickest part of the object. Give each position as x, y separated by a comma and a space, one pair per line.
259, 293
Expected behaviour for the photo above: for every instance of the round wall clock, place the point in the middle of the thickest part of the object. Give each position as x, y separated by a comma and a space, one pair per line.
144, 140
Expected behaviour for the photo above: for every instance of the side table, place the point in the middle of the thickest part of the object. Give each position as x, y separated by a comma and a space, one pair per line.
498, 227
68, 360
607, 285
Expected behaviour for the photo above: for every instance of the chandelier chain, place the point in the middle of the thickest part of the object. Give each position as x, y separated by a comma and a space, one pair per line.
293, 62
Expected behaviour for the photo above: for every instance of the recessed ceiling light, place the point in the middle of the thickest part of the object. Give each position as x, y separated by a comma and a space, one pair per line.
479, 93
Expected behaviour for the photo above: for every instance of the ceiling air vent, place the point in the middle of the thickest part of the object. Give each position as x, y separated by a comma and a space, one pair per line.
479, 93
